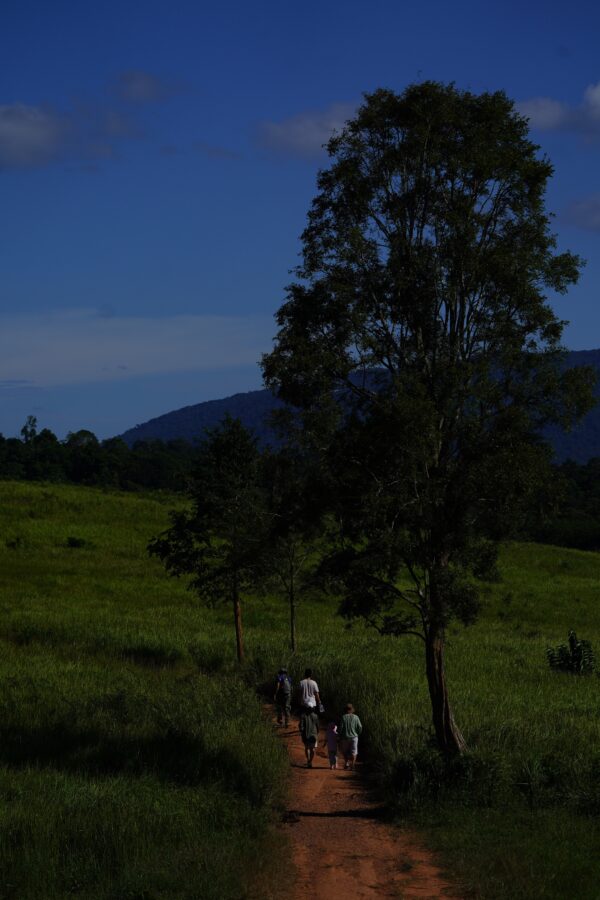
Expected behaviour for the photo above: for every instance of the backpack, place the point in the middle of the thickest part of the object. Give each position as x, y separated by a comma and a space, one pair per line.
284, 684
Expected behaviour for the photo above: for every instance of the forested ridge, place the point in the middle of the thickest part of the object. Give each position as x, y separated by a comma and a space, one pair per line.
254, 409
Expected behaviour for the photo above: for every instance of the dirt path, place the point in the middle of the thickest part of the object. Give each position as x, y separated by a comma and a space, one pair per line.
341, 846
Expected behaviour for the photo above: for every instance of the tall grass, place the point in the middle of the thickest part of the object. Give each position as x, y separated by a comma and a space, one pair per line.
113, 676
519, 814
125, 770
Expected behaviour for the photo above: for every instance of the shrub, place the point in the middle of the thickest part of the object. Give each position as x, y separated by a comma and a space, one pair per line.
576, 657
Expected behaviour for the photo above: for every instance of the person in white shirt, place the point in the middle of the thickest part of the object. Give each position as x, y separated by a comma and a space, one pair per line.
309, 691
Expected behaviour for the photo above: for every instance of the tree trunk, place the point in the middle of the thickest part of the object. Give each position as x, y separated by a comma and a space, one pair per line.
449, 738
237, 618
292, 618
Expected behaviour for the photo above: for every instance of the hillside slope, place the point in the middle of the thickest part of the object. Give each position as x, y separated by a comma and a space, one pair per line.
191, 422
254, 408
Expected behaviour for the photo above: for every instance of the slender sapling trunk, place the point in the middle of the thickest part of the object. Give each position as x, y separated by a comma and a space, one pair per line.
237, 618
292, 616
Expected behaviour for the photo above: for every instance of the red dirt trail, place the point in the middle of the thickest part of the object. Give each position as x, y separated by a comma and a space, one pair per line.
341, 848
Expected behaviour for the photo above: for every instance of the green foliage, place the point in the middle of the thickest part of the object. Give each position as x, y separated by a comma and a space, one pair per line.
126, 770
576, 657
293, 532
412, 299
516, 854
421, 305
572, 518
82, 459
217, 543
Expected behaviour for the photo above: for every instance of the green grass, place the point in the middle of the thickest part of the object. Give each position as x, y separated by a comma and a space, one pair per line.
516, 853
126, 771
519, 815
126, 731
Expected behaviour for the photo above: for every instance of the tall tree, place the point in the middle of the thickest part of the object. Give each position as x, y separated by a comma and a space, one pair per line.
216, 541
421, 302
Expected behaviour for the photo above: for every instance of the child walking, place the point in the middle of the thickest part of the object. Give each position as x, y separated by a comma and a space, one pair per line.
350, 729
331, 739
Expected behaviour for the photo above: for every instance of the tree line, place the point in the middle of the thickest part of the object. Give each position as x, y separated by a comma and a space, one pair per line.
81, 458
567, 511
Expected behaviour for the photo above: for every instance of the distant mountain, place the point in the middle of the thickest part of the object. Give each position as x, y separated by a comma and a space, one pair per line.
191, 422
254, 408
583, 443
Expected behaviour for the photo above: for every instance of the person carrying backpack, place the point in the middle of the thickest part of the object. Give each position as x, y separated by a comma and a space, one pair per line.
283, 697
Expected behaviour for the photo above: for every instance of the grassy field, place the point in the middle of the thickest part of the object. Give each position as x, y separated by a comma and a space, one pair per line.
127, 769
134, 762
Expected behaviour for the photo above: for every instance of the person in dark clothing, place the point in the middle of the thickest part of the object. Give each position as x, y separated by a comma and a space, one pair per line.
309, 729
283, 697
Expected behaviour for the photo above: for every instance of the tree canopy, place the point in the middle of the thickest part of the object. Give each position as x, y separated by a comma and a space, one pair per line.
422, 303
216, 543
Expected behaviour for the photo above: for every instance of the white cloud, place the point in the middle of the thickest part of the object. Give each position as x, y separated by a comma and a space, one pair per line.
32, 136
591, 102
545, 113
306, 133
80, 346
29, 135
548, 114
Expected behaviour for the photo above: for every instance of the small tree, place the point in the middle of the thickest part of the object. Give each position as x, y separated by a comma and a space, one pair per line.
421, 304
216, 542
293, 528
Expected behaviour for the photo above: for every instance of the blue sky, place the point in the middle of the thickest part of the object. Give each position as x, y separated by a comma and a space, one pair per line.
157, 161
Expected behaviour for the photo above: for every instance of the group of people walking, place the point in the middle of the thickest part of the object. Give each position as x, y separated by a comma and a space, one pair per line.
341, 735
